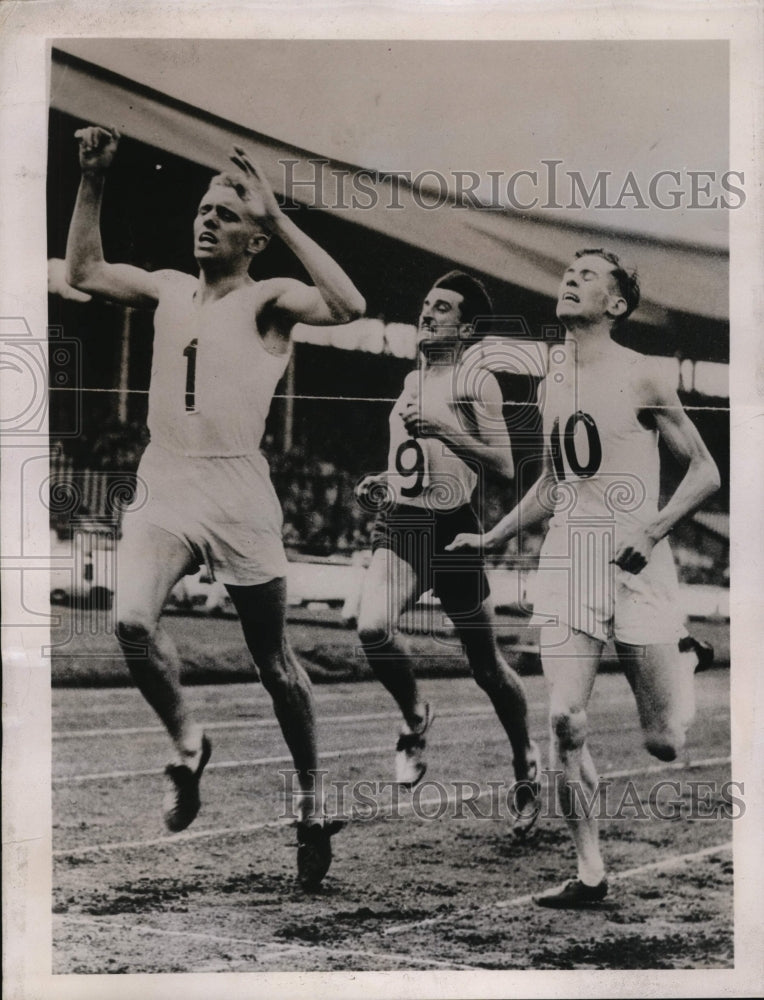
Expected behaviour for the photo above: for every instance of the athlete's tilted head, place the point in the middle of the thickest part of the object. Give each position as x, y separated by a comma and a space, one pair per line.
225, 227
452, 306
597, 286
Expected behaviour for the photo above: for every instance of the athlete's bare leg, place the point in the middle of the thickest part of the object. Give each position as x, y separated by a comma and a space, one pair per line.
494, 675
389, 588
150, 561
570, 670
663, 681
262, 611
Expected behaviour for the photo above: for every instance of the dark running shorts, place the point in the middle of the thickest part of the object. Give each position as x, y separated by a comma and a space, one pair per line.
419, 536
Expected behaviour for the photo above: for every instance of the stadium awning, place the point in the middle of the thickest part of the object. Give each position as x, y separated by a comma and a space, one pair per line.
128, 83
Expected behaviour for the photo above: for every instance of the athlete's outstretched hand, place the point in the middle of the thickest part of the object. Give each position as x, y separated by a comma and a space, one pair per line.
97, 148
363, 486
419, 426
466, 542
372, 492
262, 200
633, 552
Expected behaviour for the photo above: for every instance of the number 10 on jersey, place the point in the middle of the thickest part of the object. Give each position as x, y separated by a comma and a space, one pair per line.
566, 444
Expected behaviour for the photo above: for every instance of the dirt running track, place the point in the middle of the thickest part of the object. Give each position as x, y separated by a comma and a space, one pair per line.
405, 891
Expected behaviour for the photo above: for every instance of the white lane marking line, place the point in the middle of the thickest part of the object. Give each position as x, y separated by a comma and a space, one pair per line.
402, 807
341, 952
66, 734
676, 765
471, 711
410, 960
258, 761
86, 921
70, 779
172, 840
503, 904
268, 951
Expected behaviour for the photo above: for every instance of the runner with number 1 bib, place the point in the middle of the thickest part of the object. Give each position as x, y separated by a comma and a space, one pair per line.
222, 341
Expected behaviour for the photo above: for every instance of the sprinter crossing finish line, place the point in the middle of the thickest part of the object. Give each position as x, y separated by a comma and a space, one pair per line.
606, 569
446, 428
222, 342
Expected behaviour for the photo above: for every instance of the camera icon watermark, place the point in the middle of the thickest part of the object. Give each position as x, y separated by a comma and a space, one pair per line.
31, 368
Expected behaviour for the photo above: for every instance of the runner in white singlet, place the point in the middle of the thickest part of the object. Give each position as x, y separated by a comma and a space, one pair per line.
222, 342
208, 403
603, 448
605, 568
424, 471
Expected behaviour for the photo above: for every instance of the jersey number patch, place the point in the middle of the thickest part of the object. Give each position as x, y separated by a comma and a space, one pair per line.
413, 464
189, 353
566, 443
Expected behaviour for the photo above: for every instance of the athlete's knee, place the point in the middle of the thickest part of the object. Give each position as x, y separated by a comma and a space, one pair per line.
484, 677
135, 628
281, 674
275, 676
374, 631
490, 671
665, 732
569, 728
666, 742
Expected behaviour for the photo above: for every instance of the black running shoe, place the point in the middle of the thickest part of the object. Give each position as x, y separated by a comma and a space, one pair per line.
182, 802
410, 765
574, 895
314, 851
527, 799
702, 649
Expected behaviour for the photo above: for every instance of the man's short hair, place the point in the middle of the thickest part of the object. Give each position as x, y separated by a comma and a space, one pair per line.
231, 181
625, 278
237, 183
476, 300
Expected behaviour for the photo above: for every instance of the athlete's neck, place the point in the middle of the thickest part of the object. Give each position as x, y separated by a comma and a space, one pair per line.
214, 284
591, 341
439, 354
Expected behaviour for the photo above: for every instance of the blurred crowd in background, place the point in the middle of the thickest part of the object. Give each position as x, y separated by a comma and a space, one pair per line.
322, 517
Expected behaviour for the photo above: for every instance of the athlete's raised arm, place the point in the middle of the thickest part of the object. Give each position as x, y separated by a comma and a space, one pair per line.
86, 268
700, 481
334, 298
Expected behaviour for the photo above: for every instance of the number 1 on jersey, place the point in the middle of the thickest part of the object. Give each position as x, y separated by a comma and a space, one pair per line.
190, 354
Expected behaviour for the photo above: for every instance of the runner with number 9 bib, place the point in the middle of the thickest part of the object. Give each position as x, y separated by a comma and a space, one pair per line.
443, 434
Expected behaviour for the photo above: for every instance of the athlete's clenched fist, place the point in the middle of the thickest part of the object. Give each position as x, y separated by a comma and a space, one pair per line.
97, 148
